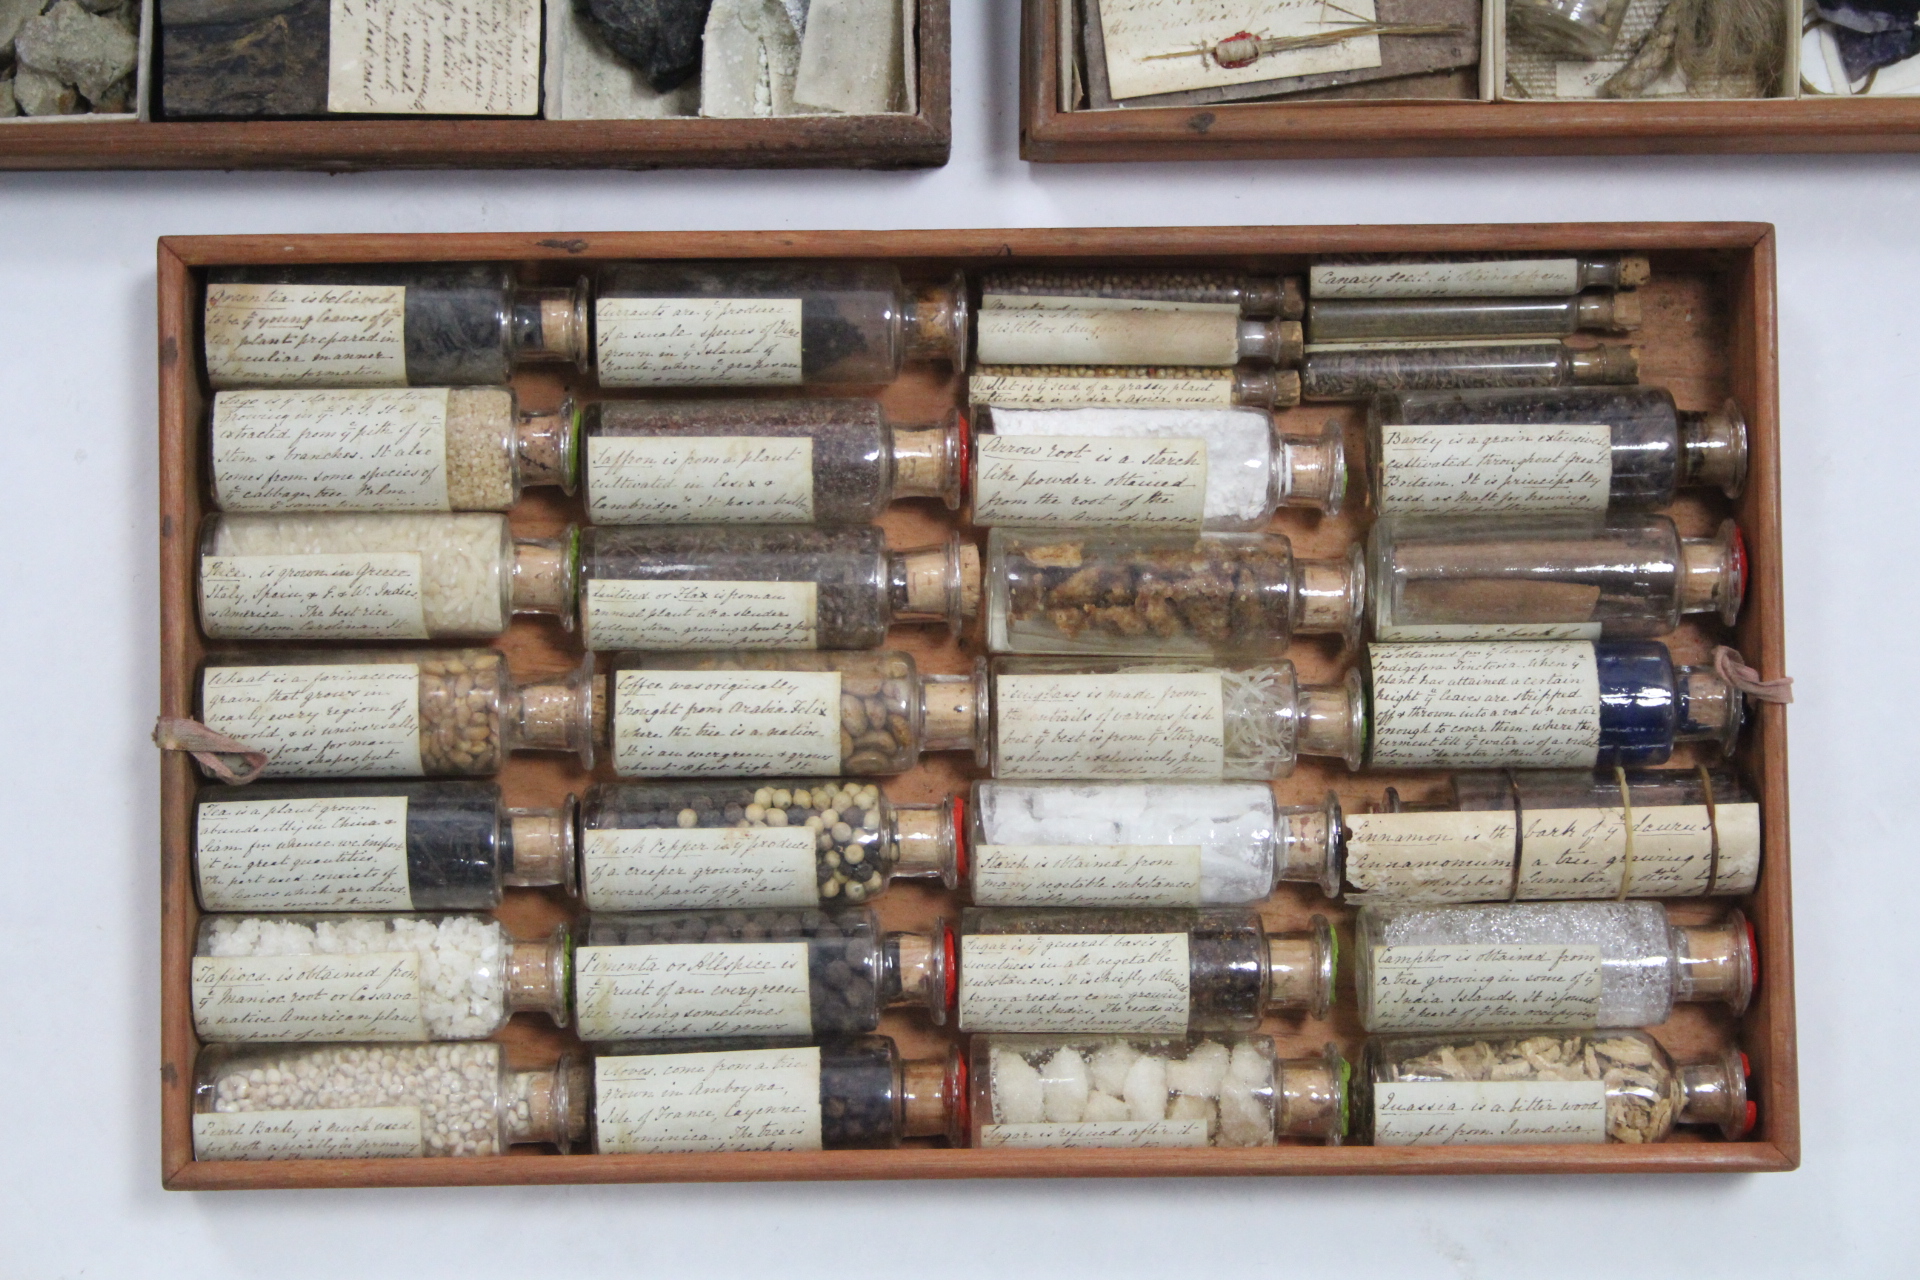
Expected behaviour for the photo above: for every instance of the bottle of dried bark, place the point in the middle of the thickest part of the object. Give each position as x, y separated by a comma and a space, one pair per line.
1356, 372
1604, 1086
1152, 1091
1068, 386
421, 325
1055, 287
826, 461
1228, 594
1211, 339
1475, 278
791, 842
674, 975
377, 576
844, 1094
373, 846
1156, 972
385, 449
390, 713
770, 324
1558, 451
678, 587
1446, 319
1533, 965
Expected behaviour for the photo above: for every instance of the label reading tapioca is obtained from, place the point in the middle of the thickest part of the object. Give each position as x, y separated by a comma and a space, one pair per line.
306, 335
434, 57
1106, 337
700, 479
1086, 875
1516, 278
726, 723
372, 449
673, 991
1112, 982
676, 868
1126, 725
1494, 469
1430, 857
1090, 481
318, 720
750, 1100
296, 999
1183, 389
372, 595
626, 614
1097, 1133
335, 1133
1527, 703
1483, 986
698, 342
1421, 1113
342, 854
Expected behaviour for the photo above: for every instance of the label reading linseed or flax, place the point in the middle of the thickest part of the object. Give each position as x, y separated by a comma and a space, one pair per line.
700, 479
726, 723
306, 335
319, 720
1121, 725
371, 595
1525, 703
680, 990
1517, 469
371, 449
1090, 482
744, 1100
345, 853
694, 342
673, 615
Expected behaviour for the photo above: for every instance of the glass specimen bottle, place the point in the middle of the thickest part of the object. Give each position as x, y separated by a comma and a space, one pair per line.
1586, 28
825, 461
1531, 965
672, 975
374, 325
384, 449
1052, 287
844, 1094
360, 1101
1118, 386
1608, 1086
1442, 319
373, 846
1356, 372
300, 979
1152, 1091
680, 587
1478, 278
1091, 335
769, 324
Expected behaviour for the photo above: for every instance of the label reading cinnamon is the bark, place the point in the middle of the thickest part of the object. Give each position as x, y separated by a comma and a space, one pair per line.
750, 1100
1090, 481
625, 614
1482, 986
373, 449
1430, 857
306, 335
347, 853
1494, 469
333, 1133
1126, 725
674, 991
1093, 336
372, 595
1528, 704
434, 57
1518, 278
1584, 853
695, 342
318, 720
1086, 875
700, 479
1421, 1113
670, 724
310, 999
682, 868
1112, 982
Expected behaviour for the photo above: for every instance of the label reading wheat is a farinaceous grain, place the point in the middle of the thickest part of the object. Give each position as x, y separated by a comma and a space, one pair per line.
678, 990
626, 614
1091, 336
336, 1133
371, 595
1420, 1113
1097, 1133
683, 868
372, 449
1482, 986
1086, 875
306, 335
695, 342
1528, 703
1494, 470
1113, 982
1127, 725
295, 999
700, 479
748, 1100
343, 854
434, 57
1090, 481
1211, 389
1430, 857
724, 724
1516, 278
321, 721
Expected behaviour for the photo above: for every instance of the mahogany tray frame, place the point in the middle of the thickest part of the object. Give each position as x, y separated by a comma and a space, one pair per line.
1720, 281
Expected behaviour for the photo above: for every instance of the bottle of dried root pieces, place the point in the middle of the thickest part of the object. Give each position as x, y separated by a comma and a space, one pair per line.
1518, 277
1212, 339
1332, 320
1203, 288
1107, 386
1355, 372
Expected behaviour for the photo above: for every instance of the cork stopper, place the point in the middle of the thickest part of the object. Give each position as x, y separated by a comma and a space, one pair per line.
937, 321
937, 584
1714, 447
1331, 720
1616, 312
923, 841
1329, 596
1313, 468
554, 714
541, 842
543, 576
922, 963
1635, 270
1275, 342
1310, 1096
927, 1096
1713, 573
1300, 968
1712, 710
1293, 298
952, 709
543, 446
1715, 1093
1307, 840
927, 461
555, 1105
1613, 365
537, 976
1716, 963
559, 331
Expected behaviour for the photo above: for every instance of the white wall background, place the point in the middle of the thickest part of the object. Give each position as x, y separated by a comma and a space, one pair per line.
80, 1195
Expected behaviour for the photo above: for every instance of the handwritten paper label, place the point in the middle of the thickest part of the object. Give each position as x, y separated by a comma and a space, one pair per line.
1482, 986
698, 342
334, 1133
1097, 1133
294, 999
1447, 469
1210, 338
1430, 857
699, 479
1163, 726
675, 868
351, 720
673, 991
1546, 277
1032, 391
1434, 1113
306, 335
753, 1100
1582, 853
623, 614
1090, 482
1088, 982
344, 854
367, 450
1531, 703
434, 57
1093, 302
684, 724
1138, 33
373, 595
1086, 875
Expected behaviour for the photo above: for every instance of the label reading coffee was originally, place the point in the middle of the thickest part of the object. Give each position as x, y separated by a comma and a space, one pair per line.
1086, 875
1430, 857
1437, 1113
1112, 982
1519, 469
751, 1100
699, 479
682, 868
345, 854
1541, 277
434, 57
624, 614
1127, 725
1037, 389
296, 999
372, 595
1528, 703
669, 724
1106, 337
321, 721
1583, 853
678, 990
339, 1133
311, 335
698, 342
1089, 481
361, 450
1482, 986
1097, 1133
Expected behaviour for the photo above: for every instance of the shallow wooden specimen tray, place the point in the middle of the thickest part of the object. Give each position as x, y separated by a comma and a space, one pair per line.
1709, 334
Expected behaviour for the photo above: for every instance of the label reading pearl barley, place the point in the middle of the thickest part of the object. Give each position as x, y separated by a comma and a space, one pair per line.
311, 335
1447, 469
1530, 704
1088, 481
1090, 336
317, 721
434, 57
1187, 389
711, 479
692, 989
726, 723
698, 342
1097, 1133
372, 595
1582, 853
345, 854
1086, 875
1110, 726
1483, 986
1546, 277
341, 1133
365, 450
623, 614
1430, 857
673, 868
1422, 1113
754, 1100
291, 999
1135, 982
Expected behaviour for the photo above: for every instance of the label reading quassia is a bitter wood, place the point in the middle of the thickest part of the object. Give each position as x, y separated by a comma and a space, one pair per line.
434, 57
342, 854
624, 614
1093, 336
1088, 481
1494, 469
726, 723
1532, 703
693, 342
747, 1100
372, 595
1124, 725
673, 991
1086, 875
318, 720
1114, 982
1482, 986
371, 449
1516, 278
699, 479
1419, 1113
295, 999
334, 1133
306, 335
673, 868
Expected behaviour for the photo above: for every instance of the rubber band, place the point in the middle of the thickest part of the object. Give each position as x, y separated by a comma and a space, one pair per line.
1626, 856
1713, 832
228, 759
1519, 825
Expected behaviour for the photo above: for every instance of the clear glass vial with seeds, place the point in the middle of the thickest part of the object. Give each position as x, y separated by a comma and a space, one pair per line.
1248, 293
1442, 319
1586, 28
1482, 277
1094, 335
1111, 386
1355, 372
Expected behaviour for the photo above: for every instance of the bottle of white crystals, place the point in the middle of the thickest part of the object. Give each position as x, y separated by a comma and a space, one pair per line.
376, 577
1221, 470
301, 979
385, 449
1531, 965
1215, 339
1520, 277
1043, 1091
360, 1101
1123, 386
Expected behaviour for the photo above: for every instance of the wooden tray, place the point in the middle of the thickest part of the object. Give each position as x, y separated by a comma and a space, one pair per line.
1709, 333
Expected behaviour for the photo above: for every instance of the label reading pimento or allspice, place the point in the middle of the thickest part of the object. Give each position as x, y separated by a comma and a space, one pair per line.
1438, 1113
294, 999
1086, 875
1482, 986
750, 1100
626, 614
334, 1133
1515, 278
1494, 469
306, 335
1106, 337
373, 449
1097, 1133
434, 57
372, 595
696, 342
1090, 481
1529, 703
318, 720
1113, 982
343, 854
670, 724
1123, 725
699, 479
678, 990
683, 868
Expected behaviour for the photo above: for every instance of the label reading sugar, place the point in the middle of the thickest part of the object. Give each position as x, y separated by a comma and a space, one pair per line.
1468, 469
294, 999
1092, 336
699, 479
345, 854
321, 721
1089, 481
1434, 1113
1196, 389
434, 57
1582, 853
1097, 1133
622, 614
306, 335
339, 1133
1529, 704
698, 342
374, 449
753, 1100
669, 724
1544, 277
1430, 857
1134, 982
678, 868
1483, 986
372, 595
679, 990
1086, 875
1125, 725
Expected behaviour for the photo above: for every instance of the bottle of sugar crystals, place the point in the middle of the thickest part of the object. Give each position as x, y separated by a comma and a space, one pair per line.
300, 979
1204, 289
1342, 371
1459, 319
1120, 386
361, 1101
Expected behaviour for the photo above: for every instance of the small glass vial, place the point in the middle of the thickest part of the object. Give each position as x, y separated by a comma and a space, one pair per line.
1160, 972
384, 449
770, 324
1113, 386
375, 577
360, 1101
418, 325
1053, 287
1586, 28
1153, 1091
390, 713
788, 842
1228, 594
311, 979
1548, 577
1212, 339
678, 587
845, 1094
674, 975
1478, 277
1444, 319
824, 461
1557, 451
1357, 372
1607, 1086
1530, 965
373, 846
1219, 470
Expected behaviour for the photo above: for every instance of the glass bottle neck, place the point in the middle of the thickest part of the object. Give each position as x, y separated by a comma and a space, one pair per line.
935, 584
953, 711
544, 448
537, 976
1329, 596
1259, 387
932, 1097
1714, 449
931, 462
1627, 271
1307, 845
547, 1106
550, 324
1715, 1093
1331, 720
1713, 573
926, 840
1614, 365
1300, 969
1310, 1096
1711, 709
1311, 471
920, 970
1715, 963
1614, 312
936, 321
1272, 341
539, 846
545, 572
555, 715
